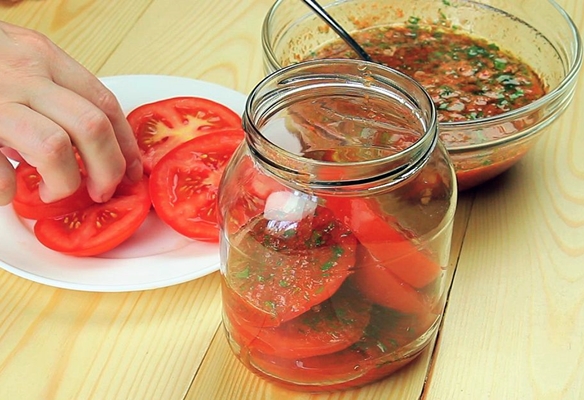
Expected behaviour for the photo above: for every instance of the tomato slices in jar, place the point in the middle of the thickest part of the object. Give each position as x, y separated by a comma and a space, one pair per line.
279, 269
378, 232
370, 358
328, 327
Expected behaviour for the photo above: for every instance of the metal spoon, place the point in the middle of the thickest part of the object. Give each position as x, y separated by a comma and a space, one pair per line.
317, 8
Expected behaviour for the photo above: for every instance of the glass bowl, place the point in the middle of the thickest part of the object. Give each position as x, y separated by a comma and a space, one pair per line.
538, 32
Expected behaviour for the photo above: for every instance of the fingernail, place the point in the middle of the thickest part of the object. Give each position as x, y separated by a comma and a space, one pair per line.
107, 195
135, 171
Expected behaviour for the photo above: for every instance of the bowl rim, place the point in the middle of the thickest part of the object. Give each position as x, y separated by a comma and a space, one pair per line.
564, 85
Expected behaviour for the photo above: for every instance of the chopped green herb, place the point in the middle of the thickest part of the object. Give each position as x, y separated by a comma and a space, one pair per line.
243, 274
288, 233
518, 93
414, 20
500, 63
327, 265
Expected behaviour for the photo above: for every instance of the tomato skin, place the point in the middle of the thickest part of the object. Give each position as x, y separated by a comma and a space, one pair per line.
99, 227
185, 182
162, 125
27, 202
331, 372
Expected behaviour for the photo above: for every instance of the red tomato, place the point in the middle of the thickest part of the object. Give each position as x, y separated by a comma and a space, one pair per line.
278, 270
374, 356
163, 125
99, 227
328, 327
27, 202
184, 183
382, 287
380, 234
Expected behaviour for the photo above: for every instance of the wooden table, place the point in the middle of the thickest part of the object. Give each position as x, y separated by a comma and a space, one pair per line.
514, 323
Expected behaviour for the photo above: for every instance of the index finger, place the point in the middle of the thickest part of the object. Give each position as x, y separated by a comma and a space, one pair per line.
69, 74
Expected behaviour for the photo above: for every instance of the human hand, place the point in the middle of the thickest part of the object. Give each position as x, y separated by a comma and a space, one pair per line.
49, 105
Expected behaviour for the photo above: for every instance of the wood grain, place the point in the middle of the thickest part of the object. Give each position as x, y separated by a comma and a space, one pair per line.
220, 43
516, 311
61, 344
88, 30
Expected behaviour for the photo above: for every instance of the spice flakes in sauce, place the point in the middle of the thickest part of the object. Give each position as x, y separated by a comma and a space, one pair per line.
468, 78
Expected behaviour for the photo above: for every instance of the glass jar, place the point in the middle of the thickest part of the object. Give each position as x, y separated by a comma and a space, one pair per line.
336, 220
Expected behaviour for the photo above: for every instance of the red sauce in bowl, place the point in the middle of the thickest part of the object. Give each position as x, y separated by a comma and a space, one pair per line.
468, 78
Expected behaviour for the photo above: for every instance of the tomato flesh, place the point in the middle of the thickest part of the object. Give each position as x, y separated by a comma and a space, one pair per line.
99, 227
185, 182
27, 202
379, 233
278, 270
368, 359
161, 126
381, 286
328, 327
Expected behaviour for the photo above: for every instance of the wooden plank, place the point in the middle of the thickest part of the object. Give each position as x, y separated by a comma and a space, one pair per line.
79, 345
221, 42
86, 29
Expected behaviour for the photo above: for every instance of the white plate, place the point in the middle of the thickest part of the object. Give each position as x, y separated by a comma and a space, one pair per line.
155, 256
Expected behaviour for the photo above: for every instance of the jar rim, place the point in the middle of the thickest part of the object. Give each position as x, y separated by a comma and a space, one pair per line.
365, 79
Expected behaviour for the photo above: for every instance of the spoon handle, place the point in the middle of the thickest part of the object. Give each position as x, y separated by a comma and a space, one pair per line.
320, 11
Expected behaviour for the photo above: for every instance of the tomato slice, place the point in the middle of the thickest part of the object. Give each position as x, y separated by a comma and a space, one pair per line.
161, 126
278, 270
99, 227
184, 183
328, 327
382, 287
27, 202
370, 358
380, 234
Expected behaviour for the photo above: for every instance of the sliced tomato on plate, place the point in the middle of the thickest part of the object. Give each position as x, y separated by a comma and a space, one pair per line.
99, 227
162, 125
27, 202
278, 270
185, 182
